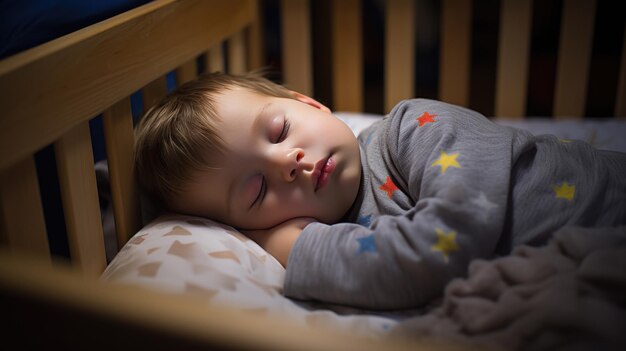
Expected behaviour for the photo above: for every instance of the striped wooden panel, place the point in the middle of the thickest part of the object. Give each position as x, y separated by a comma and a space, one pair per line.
296, 47
347, 64
399, 52
118, 132
513, 56
573, 58
455, 51
77, 179
22, 222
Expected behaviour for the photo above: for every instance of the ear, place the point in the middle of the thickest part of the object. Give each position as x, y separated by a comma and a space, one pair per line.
309, 101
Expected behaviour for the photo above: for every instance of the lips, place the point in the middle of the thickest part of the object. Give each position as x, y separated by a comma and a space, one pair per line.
321, 174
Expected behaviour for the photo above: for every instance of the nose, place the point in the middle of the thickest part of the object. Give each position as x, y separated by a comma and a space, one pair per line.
288, 163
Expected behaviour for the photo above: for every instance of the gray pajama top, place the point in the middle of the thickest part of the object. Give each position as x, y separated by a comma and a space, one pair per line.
442, 185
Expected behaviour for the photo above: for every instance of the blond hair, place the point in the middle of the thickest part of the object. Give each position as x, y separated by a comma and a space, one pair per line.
173, 138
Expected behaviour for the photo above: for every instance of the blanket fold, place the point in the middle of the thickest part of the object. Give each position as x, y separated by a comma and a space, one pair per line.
568, 295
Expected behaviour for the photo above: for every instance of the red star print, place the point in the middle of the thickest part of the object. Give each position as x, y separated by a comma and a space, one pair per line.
426, 118
388, 187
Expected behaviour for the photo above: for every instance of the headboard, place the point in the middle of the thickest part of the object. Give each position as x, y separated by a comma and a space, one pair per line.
49, 94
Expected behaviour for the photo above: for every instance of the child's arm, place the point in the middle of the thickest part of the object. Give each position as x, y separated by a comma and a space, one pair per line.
278, 241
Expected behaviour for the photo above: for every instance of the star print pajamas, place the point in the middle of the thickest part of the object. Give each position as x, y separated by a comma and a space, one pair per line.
443, 185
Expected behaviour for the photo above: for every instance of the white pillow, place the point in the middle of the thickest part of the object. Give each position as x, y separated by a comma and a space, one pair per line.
357, 121
191, 255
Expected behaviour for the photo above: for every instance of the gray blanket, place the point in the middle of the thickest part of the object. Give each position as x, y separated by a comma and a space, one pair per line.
569, 295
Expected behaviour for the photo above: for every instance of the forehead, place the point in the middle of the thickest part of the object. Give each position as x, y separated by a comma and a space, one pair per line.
239, 103
238, 109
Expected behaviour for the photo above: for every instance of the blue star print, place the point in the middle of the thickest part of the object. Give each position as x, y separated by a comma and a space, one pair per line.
367, 244
369, 138
365, 220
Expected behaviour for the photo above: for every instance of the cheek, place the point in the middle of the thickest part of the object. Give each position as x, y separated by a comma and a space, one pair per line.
322, 134
294, 203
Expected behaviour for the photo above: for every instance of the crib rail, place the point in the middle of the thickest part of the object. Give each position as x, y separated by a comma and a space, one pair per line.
56, 306
50, 93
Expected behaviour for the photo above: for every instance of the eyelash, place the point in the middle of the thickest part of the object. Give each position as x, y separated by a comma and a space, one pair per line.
262, 192
284, 131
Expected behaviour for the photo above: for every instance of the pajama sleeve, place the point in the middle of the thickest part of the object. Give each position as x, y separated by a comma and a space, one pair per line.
443, 173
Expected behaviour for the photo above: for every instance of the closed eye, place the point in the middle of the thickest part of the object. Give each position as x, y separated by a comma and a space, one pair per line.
284, 131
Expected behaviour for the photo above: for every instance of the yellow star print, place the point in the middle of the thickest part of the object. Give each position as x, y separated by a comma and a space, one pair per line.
564, 191
446, 161
446, 243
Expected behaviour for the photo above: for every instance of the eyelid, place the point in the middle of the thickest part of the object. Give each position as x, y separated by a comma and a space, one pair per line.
283, 133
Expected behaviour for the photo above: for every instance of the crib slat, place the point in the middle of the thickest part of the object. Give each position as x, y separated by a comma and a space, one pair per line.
399, 52
186, 72
574, 58
255, 37
118, 132
296, 32
215, 59
153, 92
347, 72
237, 53
22, 223
455, 51
77, 179
513, 53
620, 99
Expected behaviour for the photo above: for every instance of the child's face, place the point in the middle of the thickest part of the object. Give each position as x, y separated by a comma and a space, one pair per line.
285, 159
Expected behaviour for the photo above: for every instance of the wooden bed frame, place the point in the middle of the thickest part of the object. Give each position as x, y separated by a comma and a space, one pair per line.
50, 92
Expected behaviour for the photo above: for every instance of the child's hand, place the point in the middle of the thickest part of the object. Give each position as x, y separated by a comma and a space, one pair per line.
279, 240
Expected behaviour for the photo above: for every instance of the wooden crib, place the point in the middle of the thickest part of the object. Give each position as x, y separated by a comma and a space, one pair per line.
49, 94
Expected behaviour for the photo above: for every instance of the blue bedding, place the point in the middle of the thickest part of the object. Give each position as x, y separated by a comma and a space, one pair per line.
25, 24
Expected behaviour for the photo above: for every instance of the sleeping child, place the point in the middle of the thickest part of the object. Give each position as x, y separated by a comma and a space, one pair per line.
382, 221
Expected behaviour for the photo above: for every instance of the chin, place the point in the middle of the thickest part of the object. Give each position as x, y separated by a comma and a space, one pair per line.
332, 218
